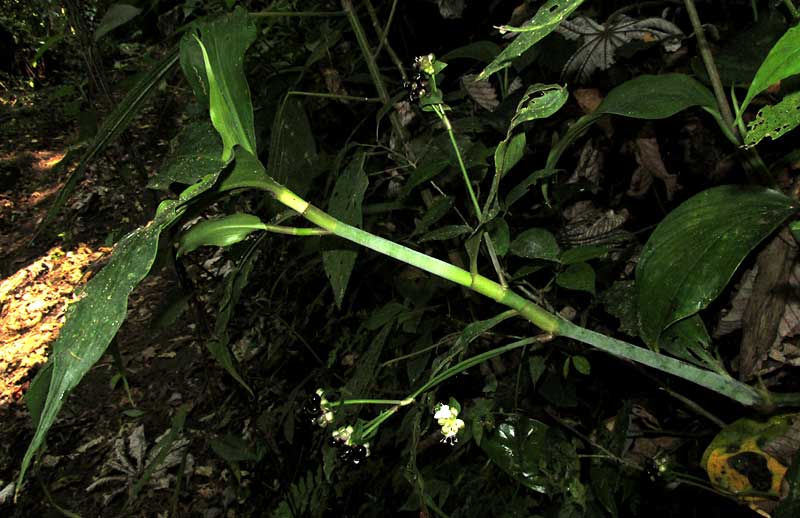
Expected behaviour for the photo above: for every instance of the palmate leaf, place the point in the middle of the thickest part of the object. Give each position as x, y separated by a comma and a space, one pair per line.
599, 42
94, 320
545, 21
695, 250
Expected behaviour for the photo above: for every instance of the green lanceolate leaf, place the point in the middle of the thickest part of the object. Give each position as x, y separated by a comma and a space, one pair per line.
345, 205
223, 231
536, 243
94, 320
695, 250
223, 43
645, 97
782, 61
198, 148
112, 127
547, 18
774, 121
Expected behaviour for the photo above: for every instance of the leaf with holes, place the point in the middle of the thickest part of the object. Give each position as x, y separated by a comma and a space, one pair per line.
774, 121
545, 21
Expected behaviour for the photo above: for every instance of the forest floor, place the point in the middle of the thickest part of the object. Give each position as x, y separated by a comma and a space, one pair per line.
105, 428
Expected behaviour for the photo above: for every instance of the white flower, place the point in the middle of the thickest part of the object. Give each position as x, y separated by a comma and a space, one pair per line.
447, 417
343, 434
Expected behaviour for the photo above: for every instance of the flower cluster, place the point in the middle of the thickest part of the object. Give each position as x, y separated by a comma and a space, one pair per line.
317, 409
447, 417
342, 439
417, 87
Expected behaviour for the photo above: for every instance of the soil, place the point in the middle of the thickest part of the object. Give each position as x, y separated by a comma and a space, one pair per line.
103, 429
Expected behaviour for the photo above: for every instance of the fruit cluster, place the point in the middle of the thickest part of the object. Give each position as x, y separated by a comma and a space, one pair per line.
317, 410
341, 439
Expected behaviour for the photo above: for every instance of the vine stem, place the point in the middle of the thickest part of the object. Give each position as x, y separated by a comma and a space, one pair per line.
546, 321
372, 66
711, 66
792, 9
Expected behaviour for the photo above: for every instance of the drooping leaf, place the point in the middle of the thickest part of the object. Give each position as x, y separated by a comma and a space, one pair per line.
345, 205
223, 42
545, 21
223, 231
536, 243
197, 148
116, 16
599, 42
94, 320
112, 127
774, 121
695, 250
782, 61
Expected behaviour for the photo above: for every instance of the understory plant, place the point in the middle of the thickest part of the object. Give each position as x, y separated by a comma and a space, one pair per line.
687, 262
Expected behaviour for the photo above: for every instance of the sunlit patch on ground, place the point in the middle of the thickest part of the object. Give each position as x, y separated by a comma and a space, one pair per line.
32, 305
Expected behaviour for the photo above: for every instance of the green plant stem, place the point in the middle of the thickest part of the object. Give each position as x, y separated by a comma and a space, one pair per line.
398, 402
372, 66
532, 312
382, 37
439, 110
792, 9
711, 66
295, 231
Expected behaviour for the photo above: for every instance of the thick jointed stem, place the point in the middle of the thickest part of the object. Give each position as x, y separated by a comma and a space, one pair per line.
548, 322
